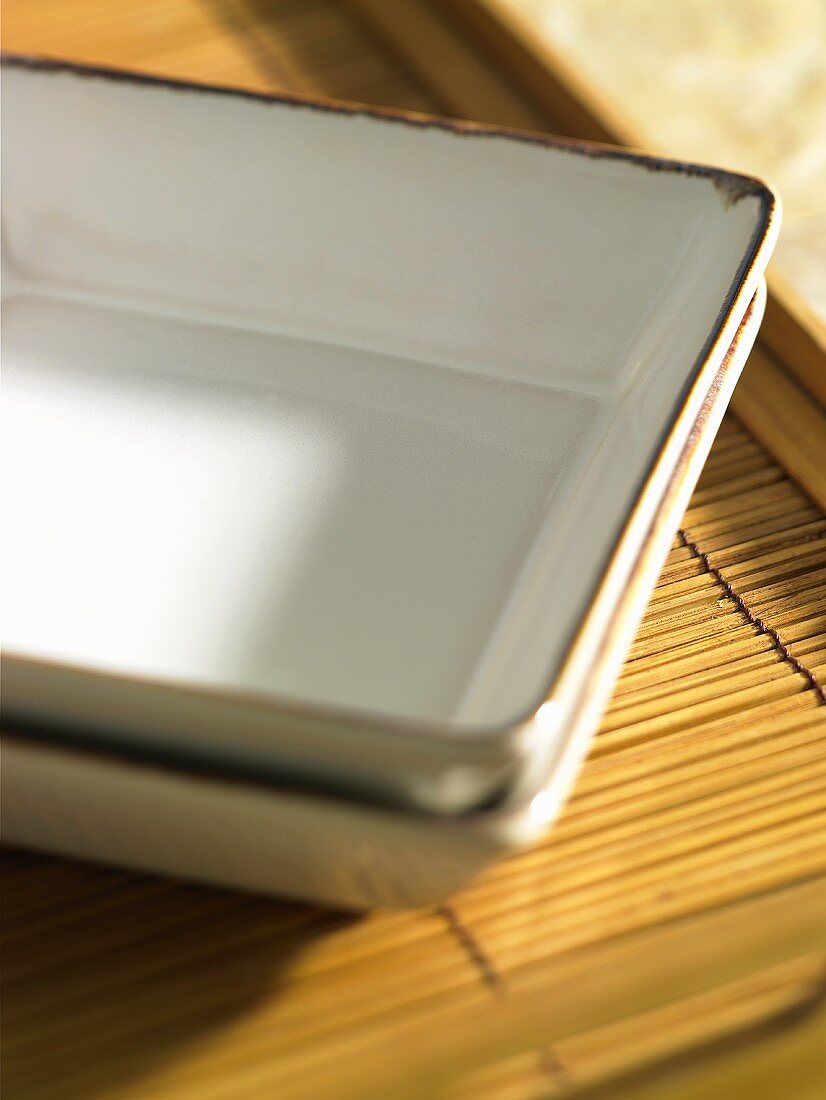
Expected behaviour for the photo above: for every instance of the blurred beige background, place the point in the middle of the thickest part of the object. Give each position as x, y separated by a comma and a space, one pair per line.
740, 83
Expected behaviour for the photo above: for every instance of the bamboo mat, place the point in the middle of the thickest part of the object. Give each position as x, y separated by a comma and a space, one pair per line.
672, 924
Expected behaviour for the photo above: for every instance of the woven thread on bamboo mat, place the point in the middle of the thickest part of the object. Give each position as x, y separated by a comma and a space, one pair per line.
754, 620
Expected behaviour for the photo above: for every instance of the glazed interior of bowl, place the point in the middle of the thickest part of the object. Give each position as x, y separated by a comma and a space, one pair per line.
330, 407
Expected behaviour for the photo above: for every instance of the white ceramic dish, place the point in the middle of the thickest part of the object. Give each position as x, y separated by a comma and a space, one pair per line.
345, 450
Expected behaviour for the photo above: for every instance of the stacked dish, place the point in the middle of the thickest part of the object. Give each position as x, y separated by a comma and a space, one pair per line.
346, 450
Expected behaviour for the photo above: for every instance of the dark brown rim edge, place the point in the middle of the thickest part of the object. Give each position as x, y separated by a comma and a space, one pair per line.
734, 185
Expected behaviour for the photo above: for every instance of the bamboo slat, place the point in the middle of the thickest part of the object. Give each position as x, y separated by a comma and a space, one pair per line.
675, 913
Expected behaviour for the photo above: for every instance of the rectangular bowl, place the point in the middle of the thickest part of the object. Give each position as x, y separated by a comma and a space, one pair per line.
346, 448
